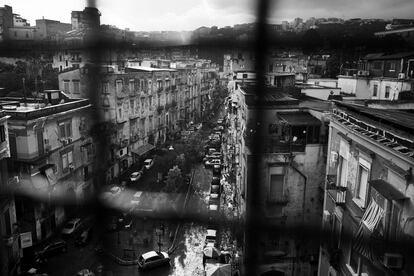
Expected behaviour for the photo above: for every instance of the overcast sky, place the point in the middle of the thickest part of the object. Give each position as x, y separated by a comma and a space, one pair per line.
153, 15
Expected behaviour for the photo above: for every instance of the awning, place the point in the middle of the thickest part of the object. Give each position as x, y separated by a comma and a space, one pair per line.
299, 119
387, 190
362, 242
141, 150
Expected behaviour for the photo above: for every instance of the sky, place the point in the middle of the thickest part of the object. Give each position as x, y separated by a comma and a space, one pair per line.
178, 15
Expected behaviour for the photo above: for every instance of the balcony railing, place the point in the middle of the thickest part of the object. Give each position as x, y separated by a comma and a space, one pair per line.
331, 183
282, 199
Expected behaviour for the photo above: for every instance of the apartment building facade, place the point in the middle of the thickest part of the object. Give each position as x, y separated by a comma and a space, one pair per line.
368, 216
380, 77
9, 245
52, 159
147, 105
293, 148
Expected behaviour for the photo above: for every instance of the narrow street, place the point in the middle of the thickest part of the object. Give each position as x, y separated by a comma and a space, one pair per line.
186, 254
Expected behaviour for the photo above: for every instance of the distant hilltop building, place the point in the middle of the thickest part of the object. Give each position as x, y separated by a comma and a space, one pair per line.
87, 19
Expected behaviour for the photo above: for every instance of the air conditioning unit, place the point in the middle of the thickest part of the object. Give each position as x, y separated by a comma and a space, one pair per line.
48, 148
362, 73
401, 76
69, 140
393, 260
64, 141
46, 141
71, 167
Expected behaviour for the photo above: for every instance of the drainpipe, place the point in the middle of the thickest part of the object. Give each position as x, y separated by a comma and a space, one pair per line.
304, 188
303, 207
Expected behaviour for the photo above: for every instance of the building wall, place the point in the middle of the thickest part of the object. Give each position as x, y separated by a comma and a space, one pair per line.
384, 164
320, 93
6, 21
22, 33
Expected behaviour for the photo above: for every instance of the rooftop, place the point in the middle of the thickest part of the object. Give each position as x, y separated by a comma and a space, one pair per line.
32, 108
402, 119
149, 69
382, 56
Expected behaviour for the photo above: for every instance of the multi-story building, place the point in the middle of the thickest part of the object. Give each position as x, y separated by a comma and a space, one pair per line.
52, 157
9, 248
6, 22
290, 167
47, 29
380, 77
368, 217
148, 105
89, 18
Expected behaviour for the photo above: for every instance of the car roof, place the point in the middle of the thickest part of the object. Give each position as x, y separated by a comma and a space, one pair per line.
148, 160
74, 220
211, 232
213, 207
135, 173
149, 254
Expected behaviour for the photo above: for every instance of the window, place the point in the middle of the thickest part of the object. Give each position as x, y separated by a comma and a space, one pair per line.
342, 171
67, 161
276, 183
150, 100
66, 86
375, 90
66, 63
132, 106
105, 87
2, 133
118, 86
65, 129
76, 87
387, 92
131, 85
361, 187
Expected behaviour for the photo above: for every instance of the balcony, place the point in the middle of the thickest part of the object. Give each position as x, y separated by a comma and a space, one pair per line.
282, 199
331, 183
340, 198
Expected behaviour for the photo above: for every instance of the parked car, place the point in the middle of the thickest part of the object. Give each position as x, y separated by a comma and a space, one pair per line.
148, 163
135, 176
218, 128
213, 210
215, 189
58, 246
212, 162
217, 170
211, 237
214, 199
215, 180
84, 237
71, 227
214, 155
153, 259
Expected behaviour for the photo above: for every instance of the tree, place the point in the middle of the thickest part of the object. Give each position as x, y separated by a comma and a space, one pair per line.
174, 180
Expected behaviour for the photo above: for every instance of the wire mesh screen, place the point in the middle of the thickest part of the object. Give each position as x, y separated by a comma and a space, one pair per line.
232, 152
